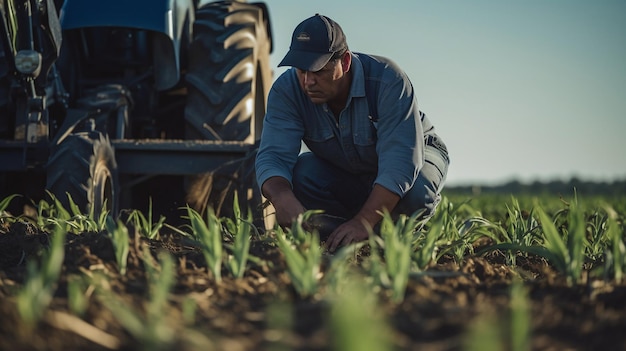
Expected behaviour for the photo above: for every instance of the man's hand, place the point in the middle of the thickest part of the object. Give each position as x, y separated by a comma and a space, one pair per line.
278, 191
353, 231
287, 210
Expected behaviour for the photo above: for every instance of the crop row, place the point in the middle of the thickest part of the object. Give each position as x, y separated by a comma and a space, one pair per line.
582, 243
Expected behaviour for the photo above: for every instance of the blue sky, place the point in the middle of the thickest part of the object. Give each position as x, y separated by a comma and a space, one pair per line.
526, 90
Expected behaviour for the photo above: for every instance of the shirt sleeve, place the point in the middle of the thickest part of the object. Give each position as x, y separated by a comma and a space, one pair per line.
282, 133
400, 144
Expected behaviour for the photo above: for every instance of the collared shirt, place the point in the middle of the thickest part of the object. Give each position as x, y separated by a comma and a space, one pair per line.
387, 144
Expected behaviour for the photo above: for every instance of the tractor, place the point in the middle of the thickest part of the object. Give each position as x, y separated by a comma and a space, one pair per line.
115, 104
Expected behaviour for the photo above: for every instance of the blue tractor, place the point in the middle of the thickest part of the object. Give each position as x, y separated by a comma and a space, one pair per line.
113, 104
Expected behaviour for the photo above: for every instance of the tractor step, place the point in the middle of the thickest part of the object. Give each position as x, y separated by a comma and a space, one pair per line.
176, 157
139, 156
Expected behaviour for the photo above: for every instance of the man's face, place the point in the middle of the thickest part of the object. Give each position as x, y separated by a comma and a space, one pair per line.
323, 85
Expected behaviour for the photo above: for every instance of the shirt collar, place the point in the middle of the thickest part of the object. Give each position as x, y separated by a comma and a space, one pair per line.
358, 77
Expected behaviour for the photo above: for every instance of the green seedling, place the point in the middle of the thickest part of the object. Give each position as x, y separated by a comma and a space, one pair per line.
150, 327
36, 294
145, 225
397, 249
520, 318
356, 321
77, 296
303, 257
493, 331
458, 235
241, 230
118, 233
6, 217
209, 236
4, 203
484, 334
521, 229
341, 267
616, 252
72, 219
565, 250
424, 244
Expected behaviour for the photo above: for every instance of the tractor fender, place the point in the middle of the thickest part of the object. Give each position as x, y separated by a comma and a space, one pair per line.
171, 20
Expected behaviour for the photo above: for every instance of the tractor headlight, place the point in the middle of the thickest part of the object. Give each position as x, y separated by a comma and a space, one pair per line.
28, 62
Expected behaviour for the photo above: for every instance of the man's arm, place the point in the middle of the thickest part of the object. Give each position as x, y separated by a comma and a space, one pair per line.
280, 145
278, 191
400, 148
356, 229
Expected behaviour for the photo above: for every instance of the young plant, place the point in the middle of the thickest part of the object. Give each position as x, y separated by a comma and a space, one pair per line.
511, 330
150, 328
118, 233
303, 257
36, 294
77, 297
146, 226
521, 229
424, 244
566, 250
616, 253
209, 235
520, 318
241, 230
72, 219
356, 320
397, 247
4, 204
599, 240
458, 235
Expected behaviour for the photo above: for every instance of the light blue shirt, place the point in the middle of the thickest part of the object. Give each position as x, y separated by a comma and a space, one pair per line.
387, 143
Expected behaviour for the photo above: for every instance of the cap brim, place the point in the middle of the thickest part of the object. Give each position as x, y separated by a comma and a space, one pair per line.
306, 60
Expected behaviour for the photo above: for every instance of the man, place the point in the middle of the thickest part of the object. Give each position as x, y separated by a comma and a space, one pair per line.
371, 149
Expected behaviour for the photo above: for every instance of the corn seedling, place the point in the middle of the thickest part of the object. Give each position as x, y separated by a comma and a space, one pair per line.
520, 230
459, 235
4, 204
145, 225
209, 236
566, 249
303, 257
598, 237
240, 229
520, 319
77, 296
424, 244
72, 219
493, 331
397, 249
616, 255
484, 334
356, 321
149, 328
36, 294
341, 268
118, 233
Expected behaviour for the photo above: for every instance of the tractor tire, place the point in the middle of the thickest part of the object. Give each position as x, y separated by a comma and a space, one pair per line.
228, 73
228, 78
82, 166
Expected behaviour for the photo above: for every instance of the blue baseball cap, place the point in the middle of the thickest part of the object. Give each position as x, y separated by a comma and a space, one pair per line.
313, 43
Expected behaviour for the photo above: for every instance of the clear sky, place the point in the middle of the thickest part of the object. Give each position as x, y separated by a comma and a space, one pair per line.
526, 90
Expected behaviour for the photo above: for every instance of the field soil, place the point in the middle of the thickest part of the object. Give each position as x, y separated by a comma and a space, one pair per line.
263, 312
